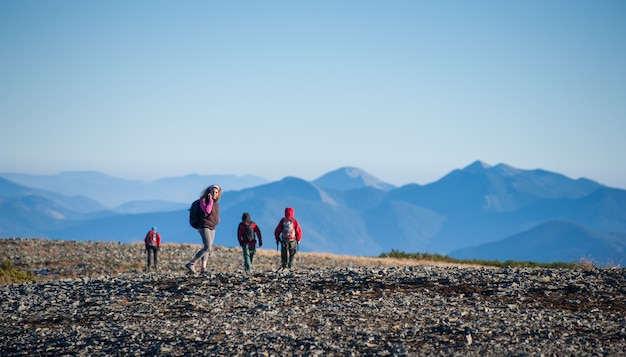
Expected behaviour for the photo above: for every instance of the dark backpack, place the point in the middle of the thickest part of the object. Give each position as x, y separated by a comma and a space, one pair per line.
248, 234
195, 215
289, 231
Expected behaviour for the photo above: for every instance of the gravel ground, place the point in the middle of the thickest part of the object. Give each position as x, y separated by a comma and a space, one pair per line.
94, 299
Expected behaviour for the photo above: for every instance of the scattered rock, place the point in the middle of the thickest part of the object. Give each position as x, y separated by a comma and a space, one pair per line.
319, 310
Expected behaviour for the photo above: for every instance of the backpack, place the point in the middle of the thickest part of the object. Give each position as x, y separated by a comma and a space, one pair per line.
248, 234
195, 215
289, 232
153, 238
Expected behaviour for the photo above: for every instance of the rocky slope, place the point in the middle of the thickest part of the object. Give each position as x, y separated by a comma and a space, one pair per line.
95, 300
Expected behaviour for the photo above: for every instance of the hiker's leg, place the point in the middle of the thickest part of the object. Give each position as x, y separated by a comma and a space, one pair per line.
292, 253
156, 259
252, 250
246, 256
147, 257
199, 253
284, 247
208, 235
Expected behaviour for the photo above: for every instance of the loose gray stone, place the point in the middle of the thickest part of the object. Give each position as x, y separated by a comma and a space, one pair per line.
318, 310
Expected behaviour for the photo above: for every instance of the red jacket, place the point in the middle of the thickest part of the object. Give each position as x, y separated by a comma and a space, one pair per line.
152, 238
289, 212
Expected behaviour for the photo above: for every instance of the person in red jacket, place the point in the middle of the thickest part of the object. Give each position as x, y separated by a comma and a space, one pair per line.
153, 244
246, 233
289, 234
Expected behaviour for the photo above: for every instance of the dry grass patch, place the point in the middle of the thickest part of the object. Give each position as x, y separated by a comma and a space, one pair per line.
325, 258
54, 259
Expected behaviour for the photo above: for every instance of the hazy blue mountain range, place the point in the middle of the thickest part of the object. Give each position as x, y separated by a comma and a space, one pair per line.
497, 211
112, 191
558, 240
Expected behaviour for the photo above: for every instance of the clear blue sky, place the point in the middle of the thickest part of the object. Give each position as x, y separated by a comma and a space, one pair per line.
405, 90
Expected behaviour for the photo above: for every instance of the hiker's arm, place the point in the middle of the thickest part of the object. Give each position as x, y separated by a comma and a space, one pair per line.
298, 232
240, 233
206, 207
279, 228
258, 234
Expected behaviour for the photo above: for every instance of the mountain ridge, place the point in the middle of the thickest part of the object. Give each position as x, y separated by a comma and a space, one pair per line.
348, 211
112, 191
552, 241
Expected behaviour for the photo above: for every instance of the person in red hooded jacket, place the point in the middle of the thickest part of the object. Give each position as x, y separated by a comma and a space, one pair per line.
289, 234
153, 243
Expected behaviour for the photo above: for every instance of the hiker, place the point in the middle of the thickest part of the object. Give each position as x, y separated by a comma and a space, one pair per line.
289, 234
246, 236
211, 212
153, 244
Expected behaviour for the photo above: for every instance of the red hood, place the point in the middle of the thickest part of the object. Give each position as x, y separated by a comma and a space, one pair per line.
289, 212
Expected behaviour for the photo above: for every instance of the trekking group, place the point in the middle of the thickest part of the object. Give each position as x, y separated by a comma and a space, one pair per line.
204, 216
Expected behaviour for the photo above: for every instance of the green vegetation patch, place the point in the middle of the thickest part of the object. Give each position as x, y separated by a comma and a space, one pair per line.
492, 263
10, 274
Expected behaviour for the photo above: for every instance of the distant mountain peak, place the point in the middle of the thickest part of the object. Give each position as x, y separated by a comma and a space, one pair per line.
348, 178
506, 170
477, 166
480, 167
353, 171
357, 173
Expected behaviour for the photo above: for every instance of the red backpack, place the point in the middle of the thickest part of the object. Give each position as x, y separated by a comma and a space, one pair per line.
152, 240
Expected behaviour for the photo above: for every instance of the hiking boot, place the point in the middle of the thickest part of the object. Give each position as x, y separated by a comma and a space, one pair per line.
203, 271
190, 267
